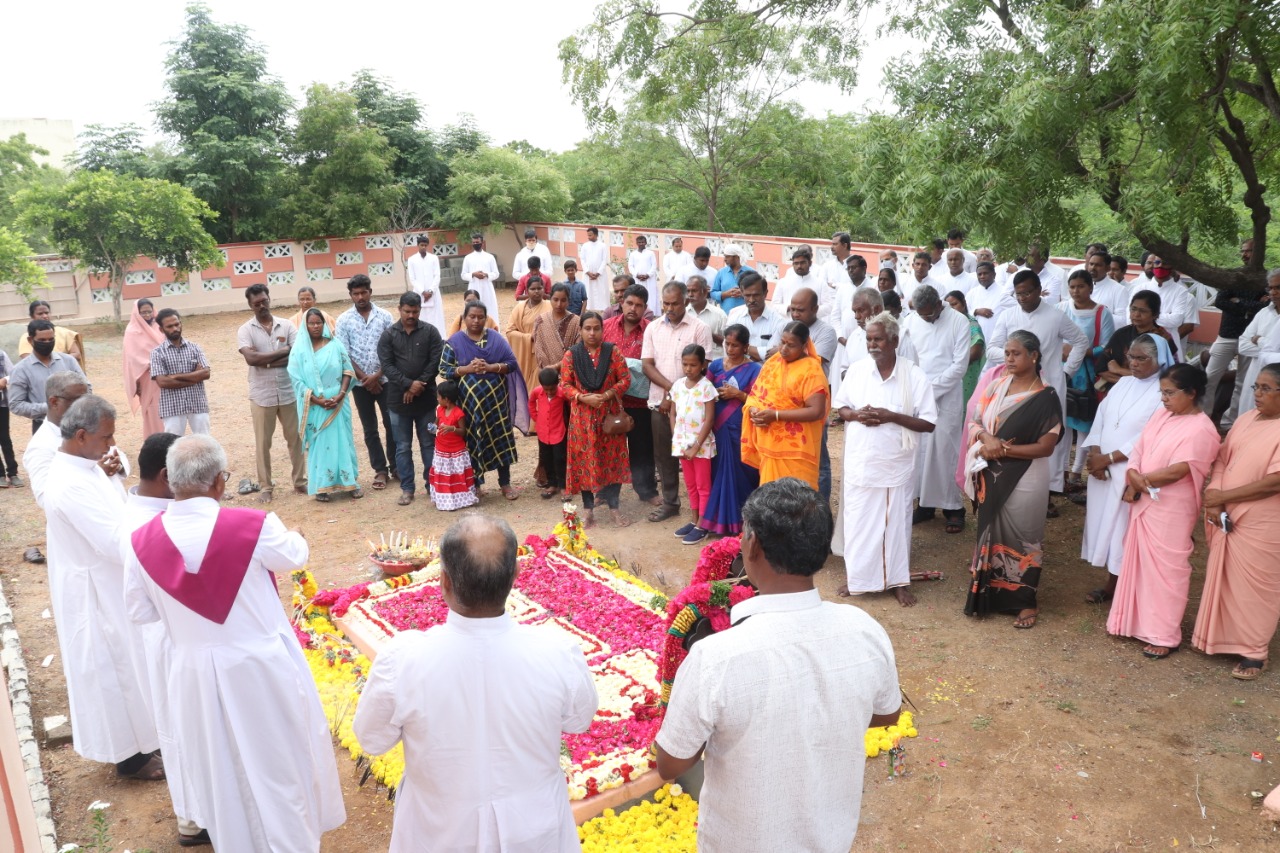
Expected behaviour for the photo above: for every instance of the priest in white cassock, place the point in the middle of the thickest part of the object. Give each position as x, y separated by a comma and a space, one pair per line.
61, 390
480, 271
1106, 290
987, 300
887, 404
532, 249
102, 656
144, 502
480, 703
936, 337
257, 760
424, 278
841, 282
594, 257
642, 264
1259, 342
677, 264
803, 275
1055, 330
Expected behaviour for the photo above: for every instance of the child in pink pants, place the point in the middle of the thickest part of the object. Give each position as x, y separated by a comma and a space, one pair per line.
693, 414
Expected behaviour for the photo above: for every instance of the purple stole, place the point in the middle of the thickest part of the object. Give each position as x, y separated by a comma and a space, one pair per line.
213, 589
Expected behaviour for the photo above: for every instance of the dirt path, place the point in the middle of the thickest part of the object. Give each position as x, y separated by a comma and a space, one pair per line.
1059, 738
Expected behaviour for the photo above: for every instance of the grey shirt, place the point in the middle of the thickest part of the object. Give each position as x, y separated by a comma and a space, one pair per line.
268, 386
26, 384
825, 341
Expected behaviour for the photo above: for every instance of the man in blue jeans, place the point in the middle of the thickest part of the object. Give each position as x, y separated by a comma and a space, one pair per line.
409, 352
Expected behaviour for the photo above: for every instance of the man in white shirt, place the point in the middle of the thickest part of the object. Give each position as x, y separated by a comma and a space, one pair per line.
594, 256
1259, 342
643, 266
936, 337
1055, 331
424, 279
701, 265
835, 309
1178, 312
1090, 250
257, 759
889, 258
804, 309
795, 731
921, 273
765, 325
835, 268
102, 656
937, 253
1105, 290
532, 248
987, 300
61, 390
955, 240
956, 278
480, 703
802, 275
711, 314
1053, 278
480, 271
676, 263
887, 404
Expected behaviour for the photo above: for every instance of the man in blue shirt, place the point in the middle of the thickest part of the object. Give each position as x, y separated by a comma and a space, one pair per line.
724, 289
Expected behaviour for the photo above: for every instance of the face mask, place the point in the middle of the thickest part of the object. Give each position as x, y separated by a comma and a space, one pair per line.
1161, 273
42, 347
477, 246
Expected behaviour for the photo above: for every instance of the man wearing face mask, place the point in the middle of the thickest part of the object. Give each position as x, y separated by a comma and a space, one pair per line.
480, 270
1178, 312
26, 384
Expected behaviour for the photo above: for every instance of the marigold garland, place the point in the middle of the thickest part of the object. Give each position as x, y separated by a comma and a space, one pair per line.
666, 824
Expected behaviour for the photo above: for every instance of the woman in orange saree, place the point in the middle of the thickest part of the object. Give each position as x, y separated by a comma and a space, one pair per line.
782, 433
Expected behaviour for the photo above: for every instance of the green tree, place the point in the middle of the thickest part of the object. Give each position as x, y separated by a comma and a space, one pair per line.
496, 187
462, 137
18, 171
1168, 113
228, 116
120, 150
16, 266
107, 221
343, 183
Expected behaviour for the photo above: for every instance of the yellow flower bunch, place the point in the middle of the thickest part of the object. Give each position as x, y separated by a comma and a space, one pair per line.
666, 824
884, 738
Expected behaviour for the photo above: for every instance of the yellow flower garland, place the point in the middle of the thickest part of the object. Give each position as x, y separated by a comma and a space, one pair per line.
666, 824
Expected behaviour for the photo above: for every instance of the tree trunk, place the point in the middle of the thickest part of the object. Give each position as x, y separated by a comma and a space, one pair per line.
117, 291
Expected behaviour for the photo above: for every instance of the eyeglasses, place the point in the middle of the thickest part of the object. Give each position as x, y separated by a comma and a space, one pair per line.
226, 476
1264, 389
1167, 394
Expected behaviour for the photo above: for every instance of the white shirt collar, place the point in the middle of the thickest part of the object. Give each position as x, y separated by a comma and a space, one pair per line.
144, 502
781, 603
194, 506
488, 626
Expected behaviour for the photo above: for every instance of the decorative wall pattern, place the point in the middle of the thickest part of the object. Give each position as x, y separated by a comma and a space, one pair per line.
325, 274
246, 267
275, 279
277, 250
315, 247
140, 277
213, 284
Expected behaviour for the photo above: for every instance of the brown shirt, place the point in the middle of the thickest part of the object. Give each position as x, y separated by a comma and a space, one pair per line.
268, 386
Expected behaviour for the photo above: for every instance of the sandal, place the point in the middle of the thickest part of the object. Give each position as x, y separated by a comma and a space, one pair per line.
357, 493
406, 498
508, 492
1259, 667
1051, 512
664, 512
1159, 652
380, 481
550, 492
1099, 596
955, 525
620, 520
151, 771
1026, 621
324, 499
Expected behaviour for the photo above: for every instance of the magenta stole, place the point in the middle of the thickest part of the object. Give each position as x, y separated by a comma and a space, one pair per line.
213, 589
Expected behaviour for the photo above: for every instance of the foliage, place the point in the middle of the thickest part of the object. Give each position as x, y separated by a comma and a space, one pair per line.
343, 183
120, 150
16, 266
228, 116
106, 221
19, 170
496, 186
462, 137
419, 166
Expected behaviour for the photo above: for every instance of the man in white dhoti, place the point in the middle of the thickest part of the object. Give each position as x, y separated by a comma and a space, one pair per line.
1054, 329
594, 256
480, 703
480, 269
887, 404
257, 759
988, 300
642, 264
144, 502
532, 249
424, 278
936, 337
1259, 344
102, 657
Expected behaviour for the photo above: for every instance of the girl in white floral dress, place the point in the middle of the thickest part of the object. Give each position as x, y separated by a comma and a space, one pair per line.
693, 414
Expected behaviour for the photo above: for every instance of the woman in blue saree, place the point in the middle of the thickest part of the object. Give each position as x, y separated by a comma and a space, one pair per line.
732, 482
321, 372
493, 393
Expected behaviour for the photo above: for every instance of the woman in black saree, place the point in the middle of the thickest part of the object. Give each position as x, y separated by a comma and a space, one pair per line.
1014, 431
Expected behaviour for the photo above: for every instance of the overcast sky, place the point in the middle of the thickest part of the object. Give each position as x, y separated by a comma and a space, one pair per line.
95, 62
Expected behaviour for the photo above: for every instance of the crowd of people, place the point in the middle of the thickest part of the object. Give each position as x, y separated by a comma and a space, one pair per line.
960, 384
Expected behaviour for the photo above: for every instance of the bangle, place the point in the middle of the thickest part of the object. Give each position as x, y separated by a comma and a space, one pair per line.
1112, 457
777, 416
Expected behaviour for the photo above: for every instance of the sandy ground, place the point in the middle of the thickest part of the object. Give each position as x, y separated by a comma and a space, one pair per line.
1059, 738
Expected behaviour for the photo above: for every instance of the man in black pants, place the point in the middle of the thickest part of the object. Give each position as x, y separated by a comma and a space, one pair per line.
359, 328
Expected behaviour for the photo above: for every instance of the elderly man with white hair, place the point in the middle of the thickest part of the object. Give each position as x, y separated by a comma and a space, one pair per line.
851, 337
936, 337
887, 404
257, 761
62, 389
102, 655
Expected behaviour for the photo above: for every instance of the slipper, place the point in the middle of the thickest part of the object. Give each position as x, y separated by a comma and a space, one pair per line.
247, 487
549, 492
16, 482
1248, 663
324, 499
33, 555
663, 512
152, 771
200, 839
955, 525
1168, 650
922, 514
508, 492
1099, 596
1022, 622
357, 494
380, 481
1051, 512
406, 498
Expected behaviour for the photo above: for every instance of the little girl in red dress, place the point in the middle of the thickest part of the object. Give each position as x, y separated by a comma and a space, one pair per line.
453, 483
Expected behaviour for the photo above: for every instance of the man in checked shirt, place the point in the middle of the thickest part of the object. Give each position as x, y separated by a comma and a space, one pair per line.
180, 368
